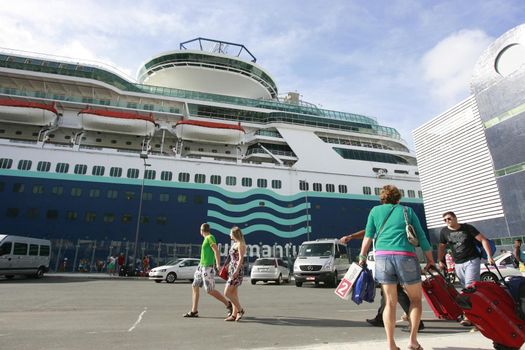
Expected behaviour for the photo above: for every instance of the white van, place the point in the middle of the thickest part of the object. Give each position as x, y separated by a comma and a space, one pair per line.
24, 256
322, 260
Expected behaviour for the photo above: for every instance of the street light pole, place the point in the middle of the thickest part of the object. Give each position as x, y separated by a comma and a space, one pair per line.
305, 184
143, 156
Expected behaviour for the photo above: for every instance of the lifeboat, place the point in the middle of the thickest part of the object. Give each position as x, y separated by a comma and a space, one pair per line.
117, 122
209, 131
26, 112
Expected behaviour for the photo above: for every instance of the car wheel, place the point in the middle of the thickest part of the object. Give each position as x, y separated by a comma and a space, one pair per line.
171, 277
254, 281
298, 284
9, 277
158, 281
334, 281
39, 273
279, 280
489, 277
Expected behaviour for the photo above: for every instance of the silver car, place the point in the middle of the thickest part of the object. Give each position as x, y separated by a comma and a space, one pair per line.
270, 269
174, 270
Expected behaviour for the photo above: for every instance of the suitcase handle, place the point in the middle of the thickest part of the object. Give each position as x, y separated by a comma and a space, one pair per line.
499, 273
433, 267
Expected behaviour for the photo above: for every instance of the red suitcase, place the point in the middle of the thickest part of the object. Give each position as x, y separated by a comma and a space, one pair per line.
492, 310
441, 296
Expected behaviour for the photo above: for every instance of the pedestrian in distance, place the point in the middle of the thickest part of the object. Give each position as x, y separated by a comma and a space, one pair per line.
395, 259
205, 274
462, 239
516, 251
235, 273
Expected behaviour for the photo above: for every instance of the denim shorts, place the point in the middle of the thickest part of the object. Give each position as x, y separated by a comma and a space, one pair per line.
393, 269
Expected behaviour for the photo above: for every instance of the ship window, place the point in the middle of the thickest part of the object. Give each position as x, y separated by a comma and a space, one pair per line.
213, 151
144, 219
174, 110
402, 192
43, 166
166, 175
150, 174
87, 100
80, 169
44, 250
129, 195
104, 101
147, 196
18, 133
162, 220
18, 187
98, 140
231, 180
109, 217
367, 190
182, 198
164, 197
128, 143
201, 150
184, 177
370, 156
317, 187
417, 173
262, 183
76, 192
12, 212
2, 131
52, 214
38, 189
57, 190
303, 185
411, 194
215, 179
276, 184
32, 213
420, 194
133, 173
200, 178
343, 189
115, 172
377, 191
6, 163
330, 188
246, 182
148, 107
62, 168
24, 164
94, 192
126, 218
20, 249
198, 200
112, 194
131, 105
72, 215
401, 172
98, 170
90, 216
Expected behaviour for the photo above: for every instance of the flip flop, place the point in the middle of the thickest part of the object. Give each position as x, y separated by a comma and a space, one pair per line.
191, 314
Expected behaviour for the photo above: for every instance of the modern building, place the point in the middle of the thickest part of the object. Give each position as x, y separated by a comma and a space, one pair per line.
471, 158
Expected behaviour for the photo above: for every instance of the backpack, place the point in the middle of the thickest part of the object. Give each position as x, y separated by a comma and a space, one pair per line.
482, 252
364, 287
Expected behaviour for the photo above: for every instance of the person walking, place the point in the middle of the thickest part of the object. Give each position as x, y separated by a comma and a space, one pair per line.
235, 273
395, 259
516, 251
205, 273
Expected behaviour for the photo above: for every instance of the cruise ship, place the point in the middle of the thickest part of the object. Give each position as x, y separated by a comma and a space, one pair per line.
101, 163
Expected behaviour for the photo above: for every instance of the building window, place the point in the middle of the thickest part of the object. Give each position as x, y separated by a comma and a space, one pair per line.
126, 218
80, 169
343, 189
231, 180
166, 175
182, 198
246, 182
215, 180
98, 170
115, 172
200, 178
76, 192
24, 165
147, 196
411, 194
57, 190
276, 184
133, 173
164, 197
38, 189
90, 216
94, 193
109, 217
52, 214
162, 220
317, 187
303, 186
43, 166
367, 190
150, 174
62, 168
184, 177
18, 187
262, 183
72, 215
6, 163
12, 212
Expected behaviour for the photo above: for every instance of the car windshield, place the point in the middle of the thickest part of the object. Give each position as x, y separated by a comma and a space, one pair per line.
173, 262
316, 249
264, 262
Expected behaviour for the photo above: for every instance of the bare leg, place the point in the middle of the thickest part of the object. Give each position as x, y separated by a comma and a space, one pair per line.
194, 299
414, 293
231, 293
389, 313
217, 295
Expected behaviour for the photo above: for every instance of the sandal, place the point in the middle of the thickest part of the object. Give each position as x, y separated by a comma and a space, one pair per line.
191, 314
240, 314
418, 347
230, 318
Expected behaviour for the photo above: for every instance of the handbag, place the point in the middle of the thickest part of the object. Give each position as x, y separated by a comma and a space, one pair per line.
411, 232
223, 272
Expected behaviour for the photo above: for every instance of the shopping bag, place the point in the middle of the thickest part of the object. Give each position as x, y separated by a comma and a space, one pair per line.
344, 288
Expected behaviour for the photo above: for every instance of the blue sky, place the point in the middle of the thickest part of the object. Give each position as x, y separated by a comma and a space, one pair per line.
400, 61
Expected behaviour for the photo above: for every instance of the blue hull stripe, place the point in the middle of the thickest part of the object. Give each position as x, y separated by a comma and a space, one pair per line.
259, 228
258, 216
239, 208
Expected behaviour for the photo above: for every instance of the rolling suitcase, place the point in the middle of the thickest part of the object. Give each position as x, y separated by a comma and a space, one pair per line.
441, 296
491, 308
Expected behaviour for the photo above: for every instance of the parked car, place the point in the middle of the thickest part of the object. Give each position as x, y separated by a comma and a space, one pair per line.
507, 265
270, 269
24, 256
174, 270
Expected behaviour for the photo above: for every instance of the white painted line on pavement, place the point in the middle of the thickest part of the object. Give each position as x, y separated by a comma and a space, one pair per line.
138, 320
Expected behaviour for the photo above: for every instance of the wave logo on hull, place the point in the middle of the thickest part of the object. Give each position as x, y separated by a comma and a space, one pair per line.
281, 221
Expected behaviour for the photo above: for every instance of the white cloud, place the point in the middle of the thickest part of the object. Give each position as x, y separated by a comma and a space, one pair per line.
447, 67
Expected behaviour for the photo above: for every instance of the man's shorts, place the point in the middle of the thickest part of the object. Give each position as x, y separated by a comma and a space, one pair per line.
393, 269
205, 275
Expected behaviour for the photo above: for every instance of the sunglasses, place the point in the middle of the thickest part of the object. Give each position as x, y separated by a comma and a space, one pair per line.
447, 219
